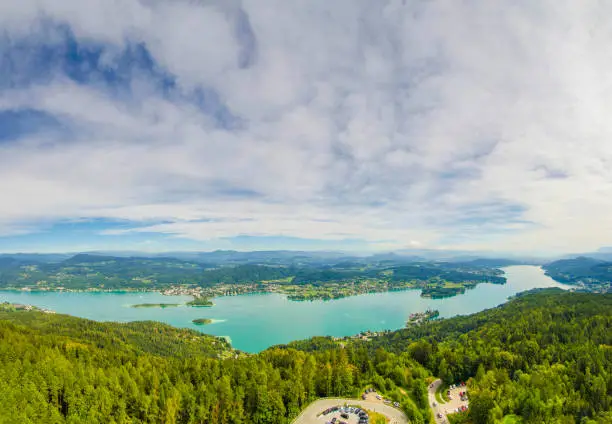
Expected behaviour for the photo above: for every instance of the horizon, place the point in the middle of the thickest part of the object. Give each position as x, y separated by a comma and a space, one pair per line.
426, 255
342, 126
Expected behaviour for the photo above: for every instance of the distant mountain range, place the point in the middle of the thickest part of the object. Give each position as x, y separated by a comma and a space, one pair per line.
318, 258
604, 254
289, 257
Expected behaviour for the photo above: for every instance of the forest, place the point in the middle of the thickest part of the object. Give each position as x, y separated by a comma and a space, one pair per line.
544, 357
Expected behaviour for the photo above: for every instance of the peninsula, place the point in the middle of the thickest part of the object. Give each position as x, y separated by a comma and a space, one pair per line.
419, 318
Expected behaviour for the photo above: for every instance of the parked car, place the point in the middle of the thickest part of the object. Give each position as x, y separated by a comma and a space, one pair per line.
344, 415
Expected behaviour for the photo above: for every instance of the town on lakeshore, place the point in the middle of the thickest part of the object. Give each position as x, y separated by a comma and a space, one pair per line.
299, 276
8, 307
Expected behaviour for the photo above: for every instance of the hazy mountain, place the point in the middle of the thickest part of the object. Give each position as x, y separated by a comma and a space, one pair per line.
37, 257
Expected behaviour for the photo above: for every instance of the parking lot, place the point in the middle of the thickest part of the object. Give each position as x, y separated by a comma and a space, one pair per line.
348, 415
455, 404
312, 414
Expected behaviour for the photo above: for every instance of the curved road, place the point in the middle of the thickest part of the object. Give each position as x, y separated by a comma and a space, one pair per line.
431, 394
447, 407
309, 415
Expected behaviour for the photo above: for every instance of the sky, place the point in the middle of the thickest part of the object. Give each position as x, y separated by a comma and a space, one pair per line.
345, 125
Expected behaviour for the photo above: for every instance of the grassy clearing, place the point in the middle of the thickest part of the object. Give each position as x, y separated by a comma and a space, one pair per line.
441, 394
376, 418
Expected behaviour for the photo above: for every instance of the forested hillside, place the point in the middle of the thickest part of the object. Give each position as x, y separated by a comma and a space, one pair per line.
545, 357
542, 358
588, 273
59, 369
139, 337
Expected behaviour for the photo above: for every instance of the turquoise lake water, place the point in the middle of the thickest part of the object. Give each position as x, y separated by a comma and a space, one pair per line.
257, 321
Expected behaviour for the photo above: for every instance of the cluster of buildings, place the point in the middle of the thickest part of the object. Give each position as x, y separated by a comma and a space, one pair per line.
20, 307
216, 291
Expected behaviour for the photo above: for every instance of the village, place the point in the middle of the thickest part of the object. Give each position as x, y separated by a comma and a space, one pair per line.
9, 307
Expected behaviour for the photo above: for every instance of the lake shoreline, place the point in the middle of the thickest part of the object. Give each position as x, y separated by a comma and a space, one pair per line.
255, 322
196, 293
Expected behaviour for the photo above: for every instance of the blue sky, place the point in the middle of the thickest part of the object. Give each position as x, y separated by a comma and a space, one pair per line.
349, 125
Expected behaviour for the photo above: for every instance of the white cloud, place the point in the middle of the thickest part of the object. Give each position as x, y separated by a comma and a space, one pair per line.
436, 123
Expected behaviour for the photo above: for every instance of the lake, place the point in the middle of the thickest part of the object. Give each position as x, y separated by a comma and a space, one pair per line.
256, 321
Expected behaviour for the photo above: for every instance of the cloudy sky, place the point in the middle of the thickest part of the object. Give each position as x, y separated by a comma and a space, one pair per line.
345, 124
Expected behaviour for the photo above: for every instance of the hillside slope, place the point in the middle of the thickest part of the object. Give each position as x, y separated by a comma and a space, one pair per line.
542, 358
590, 274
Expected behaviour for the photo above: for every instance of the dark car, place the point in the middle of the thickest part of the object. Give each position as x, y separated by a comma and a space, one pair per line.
344, 415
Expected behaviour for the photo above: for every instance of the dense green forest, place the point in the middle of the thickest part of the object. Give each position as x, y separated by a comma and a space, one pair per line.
591, 274
545, 357
65, 369
141, 336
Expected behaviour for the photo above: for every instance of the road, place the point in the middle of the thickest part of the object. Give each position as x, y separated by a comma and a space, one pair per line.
445, 408
309, 415
431, 394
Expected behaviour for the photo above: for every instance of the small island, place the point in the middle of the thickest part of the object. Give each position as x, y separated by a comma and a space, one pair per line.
156, 305
200, 301
202, 321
